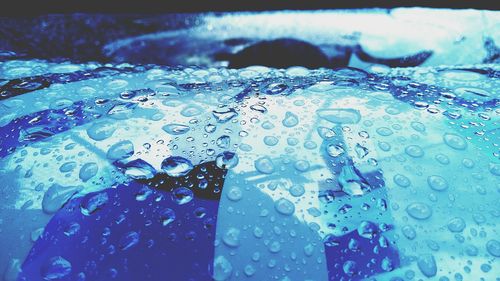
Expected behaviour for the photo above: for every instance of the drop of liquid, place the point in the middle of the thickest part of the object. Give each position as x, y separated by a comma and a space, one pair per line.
455, 141
129, 240
456, 224
223, 116
56, 268
414, 151
227, 160
175, 129
56, 196
419, 211
176, 166
232, 237
120, 150
437, 183
88, 171
167, 216
427, 265
222, 269
340, 116
264, 165
284, 206
182, 195
291, 120
493, 247
92, 204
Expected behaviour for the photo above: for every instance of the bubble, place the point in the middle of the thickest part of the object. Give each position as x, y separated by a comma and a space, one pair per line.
175, 129
340, 116
56, 268
284, 206
419, 211
264, 165
437, 183
427, 265
120, 150
176, 166
414, 151
455, 141
291, 120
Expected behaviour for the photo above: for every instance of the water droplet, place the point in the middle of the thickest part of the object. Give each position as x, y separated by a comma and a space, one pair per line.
232, 237
494, 169
326, 133
122, 111
456, 224
222, 269
175, 129
409, 232
443, 159
92, 204
275, 88
101, 130
223, 141
56, 196
56, 268
190, 111
264, 165
138, 169
129, 240
167, 216
176, 166
235, 193
493, 247
120, 150
223, 116
418, 210
297, 190
226, 160
437, 183
367, 229
414, 151
88, 171
349, 267
284, 206
384, 131
417, 126
334, 150
401, 180
270, 140
455, 141
290, 120
340, 116
427, 265
182, 195
259, 108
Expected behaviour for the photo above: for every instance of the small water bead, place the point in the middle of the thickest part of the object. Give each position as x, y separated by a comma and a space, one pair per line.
297, 190
349, 267
409, 232
227, 160
267, 125
175, 129
367, 229
234, 194
290, 120
92, 204
326, 133
129, 240
401, 180
494, 169
120, 150
427, 265
270, 140
276, 88
210, 128
340, 116
264, 165
437, 183
249, 270
56, 268
259, 108
443, 159
67, 167
284, 206
176, 166
455, 141
468, 163
414, 151
419, 210
182, 195
222, 269
456, 225
167, 216
139, 169
301, 165
101, 130
417, 126
232, 237
223, 141
56, 196
384, 131
385, 146
223, 116
493, 247
190, 111
334, 150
